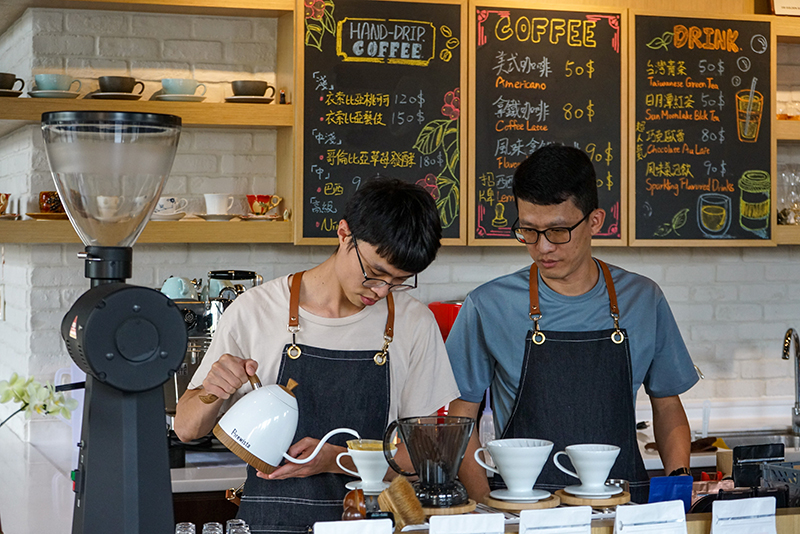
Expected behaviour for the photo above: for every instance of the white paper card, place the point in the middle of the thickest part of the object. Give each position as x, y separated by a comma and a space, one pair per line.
359, 526
572, 520
666, 517
744, 516
467, 524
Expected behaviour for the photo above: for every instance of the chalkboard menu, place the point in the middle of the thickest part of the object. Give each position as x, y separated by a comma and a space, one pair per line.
702, 143
541, 77
381, 96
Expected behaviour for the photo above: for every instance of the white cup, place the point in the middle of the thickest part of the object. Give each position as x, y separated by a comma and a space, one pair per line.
518, 461
218, 204
592, 463
108, 206
370, 462
170, 205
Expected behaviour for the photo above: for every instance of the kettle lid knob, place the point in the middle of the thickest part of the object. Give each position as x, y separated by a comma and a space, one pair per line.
290, 385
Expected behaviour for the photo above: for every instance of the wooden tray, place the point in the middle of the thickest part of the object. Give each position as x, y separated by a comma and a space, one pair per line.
551, 502
453, 510
572, 500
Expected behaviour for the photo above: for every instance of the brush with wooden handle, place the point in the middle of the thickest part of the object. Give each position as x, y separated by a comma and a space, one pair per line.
401, 499
210, 398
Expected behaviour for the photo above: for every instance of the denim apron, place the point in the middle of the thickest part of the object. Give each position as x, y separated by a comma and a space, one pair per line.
337, 388
576, 388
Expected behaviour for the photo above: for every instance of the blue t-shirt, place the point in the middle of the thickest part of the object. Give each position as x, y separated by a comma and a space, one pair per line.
487, 342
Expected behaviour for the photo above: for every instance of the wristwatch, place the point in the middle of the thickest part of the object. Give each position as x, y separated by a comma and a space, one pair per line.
681, 471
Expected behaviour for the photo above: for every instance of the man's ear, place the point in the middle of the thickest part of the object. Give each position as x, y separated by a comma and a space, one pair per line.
596, 220
343, 231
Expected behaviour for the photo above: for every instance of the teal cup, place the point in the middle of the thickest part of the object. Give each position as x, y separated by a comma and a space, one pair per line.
56, 82
181, 86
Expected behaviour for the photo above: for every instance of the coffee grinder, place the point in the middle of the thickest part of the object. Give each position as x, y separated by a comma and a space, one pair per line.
109, 169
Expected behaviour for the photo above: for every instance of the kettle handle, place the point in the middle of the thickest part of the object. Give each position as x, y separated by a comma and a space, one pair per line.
210, 398
387, 453
325, 438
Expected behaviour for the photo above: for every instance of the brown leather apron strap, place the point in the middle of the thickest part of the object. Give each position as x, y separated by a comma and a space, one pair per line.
535, 312
294, 351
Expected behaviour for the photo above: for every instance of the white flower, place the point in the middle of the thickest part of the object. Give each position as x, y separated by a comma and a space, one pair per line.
35, 397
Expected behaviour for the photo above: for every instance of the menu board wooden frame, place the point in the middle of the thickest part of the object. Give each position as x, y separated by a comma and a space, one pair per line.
299, 99
471, 107
770, 123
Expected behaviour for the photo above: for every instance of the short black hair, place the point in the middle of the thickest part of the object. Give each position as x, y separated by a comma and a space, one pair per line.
399, 218
554, 174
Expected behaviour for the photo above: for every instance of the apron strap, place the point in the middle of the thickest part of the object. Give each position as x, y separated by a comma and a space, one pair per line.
536, 313
294, 322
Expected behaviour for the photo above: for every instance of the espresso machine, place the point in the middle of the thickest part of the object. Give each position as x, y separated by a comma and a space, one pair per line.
109, 169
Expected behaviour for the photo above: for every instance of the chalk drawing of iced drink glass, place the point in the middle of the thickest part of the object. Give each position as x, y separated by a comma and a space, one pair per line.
754, 204
749, 104
714, 214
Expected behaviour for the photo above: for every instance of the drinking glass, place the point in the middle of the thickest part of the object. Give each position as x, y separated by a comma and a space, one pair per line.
185, 528
212, 528
235, 526
714, 214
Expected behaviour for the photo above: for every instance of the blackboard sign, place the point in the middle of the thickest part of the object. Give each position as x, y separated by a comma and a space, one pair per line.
541, 77
381, 95
702, 141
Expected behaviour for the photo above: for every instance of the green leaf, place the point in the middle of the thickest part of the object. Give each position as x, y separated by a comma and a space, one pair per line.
661, 42
448, 202
680, 219
430, 138
328, 22
663, 230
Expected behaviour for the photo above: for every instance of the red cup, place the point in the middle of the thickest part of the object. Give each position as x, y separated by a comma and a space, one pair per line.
261, 204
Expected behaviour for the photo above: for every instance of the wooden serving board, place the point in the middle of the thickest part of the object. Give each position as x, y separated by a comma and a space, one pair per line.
453, 510
551, 502
572, 500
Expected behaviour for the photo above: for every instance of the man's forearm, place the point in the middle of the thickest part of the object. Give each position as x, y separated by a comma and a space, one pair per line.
472, 475
672, 432
193, 418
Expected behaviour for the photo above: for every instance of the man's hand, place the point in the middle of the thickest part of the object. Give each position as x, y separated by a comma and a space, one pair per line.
324, 462
228, 374
472, 475
672, 433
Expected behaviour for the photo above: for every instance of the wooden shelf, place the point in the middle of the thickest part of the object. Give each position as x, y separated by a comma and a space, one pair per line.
787, 130
787, 234
195, 231
209, 114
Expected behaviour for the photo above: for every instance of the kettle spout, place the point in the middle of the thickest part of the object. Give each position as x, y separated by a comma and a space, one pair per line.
324, 439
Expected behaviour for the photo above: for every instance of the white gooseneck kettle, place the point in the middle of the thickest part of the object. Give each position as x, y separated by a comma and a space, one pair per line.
260, 427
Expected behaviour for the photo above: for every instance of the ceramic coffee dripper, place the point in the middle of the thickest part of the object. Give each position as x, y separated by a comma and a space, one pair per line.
436, 447
371, 465
593, 463
519, 462
260, 427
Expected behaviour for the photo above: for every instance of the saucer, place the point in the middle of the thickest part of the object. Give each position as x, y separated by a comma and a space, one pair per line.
114, 96
48, 216
53, 94
168, 216
358, 484
217, 216
179, 98
9, 216
9, 92
529, 496
268, 217
604, 493
250, 99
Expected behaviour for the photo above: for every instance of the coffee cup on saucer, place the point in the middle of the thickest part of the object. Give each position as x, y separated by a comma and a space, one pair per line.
119, 84
170, 205
519, 461
218, 204
371, 464
181, 86
55, 82
252, 88
8, 80
261, 204
593, 463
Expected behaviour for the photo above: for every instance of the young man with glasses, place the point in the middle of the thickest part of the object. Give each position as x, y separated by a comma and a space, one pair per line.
566, 343
363, 351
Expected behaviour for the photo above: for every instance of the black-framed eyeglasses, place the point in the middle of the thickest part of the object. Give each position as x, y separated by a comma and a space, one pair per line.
558, 235
374, 283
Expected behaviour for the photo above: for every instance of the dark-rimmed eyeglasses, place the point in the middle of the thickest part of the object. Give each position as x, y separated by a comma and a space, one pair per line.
558, 235
374, 283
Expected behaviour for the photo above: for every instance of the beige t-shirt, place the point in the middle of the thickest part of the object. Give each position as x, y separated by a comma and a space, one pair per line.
255, 326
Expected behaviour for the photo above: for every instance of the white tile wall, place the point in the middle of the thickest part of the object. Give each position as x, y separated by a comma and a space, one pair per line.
733, 305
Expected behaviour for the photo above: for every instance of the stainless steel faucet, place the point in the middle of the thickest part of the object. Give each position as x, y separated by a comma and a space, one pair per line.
791, 335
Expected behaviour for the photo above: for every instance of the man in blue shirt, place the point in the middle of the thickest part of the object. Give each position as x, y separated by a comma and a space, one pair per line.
566, 354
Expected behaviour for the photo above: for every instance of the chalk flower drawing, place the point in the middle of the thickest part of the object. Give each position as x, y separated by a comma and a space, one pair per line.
444, 134
319, 20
